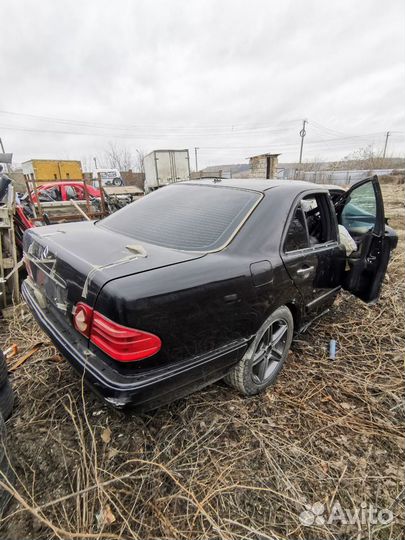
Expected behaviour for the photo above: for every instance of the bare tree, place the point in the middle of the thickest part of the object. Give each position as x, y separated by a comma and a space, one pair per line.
316, 164
366, 158
140, 161
87, 163
118, 157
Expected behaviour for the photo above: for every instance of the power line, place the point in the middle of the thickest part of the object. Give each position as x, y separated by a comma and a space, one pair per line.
275, 137
154, 129
159, 132
279, 145
321, 127
358, 138
233, 127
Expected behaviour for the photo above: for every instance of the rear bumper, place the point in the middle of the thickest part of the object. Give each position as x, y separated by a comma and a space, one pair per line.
145, 389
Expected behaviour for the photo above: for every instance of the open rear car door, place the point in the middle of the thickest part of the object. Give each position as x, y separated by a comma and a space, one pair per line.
361, 211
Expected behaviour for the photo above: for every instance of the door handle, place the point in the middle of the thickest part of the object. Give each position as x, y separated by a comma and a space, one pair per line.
231, 298
305, 270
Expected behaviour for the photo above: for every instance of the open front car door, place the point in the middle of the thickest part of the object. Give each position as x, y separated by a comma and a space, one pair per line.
361, 211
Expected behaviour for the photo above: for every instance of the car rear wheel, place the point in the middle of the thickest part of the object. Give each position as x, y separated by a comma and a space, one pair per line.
265, 357
8, 477
3, 369
6, 400
7, 474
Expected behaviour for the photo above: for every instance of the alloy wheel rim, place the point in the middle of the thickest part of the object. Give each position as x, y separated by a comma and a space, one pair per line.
269, 351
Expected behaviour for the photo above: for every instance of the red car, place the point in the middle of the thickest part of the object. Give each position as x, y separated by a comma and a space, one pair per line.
63, 191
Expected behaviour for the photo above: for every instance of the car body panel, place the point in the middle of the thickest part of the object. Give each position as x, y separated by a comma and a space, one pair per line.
86, 257
206, 307
148, 388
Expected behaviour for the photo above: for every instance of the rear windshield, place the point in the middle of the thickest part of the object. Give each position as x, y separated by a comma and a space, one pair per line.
186, 217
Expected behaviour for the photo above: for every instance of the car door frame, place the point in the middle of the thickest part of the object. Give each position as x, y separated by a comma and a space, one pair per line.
316, 299
48, 189
369, 263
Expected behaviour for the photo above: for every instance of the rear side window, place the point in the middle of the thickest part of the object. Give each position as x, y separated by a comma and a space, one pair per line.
71, 193
311, 225
186, 217
318, 216
297, 237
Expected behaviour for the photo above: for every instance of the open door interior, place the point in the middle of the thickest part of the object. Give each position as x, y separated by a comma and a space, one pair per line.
361, 211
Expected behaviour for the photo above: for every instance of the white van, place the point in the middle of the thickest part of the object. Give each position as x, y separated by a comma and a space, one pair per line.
109, 177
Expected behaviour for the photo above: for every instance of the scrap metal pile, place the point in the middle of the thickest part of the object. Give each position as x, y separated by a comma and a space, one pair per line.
48, 203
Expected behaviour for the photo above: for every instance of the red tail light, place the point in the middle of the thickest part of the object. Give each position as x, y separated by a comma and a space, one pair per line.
82, 318
120, 342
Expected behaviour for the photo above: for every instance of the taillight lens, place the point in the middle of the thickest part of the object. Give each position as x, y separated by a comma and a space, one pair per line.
120, 342
82, 318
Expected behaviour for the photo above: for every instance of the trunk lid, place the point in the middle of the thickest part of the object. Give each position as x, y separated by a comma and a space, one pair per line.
71, 262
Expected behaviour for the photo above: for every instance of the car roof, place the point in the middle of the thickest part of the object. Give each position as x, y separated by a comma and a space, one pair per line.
256, 184
59, 183
333, 187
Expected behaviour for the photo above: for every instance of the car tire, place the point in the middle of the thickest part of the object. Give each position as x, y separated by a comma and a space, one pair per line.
3, 369
3, 433
7, 474
6, 400
264, 359
117, 182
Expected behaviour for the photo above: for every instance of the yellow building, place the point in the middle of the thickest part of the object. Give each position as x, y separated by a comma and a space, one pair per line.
49, 170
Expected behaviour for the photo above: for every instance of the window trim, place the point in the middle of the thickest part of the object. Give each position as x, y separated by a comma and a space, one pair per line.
297, 206
316, 247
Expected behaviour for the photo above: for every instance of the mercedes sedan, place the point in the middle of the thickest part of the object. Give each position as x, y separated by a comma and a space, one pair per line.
202, 280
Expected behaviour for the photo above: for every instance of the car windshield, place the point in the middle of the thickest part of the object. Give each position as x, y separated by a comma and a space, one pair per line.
185, 217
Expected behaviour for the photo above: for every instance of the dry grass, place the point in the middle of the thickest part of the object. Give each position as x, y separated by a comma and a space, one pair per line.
216, 465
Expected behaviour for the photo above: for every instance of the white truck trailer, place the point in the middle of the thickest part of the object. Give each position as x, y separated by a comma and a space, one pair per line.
163, 167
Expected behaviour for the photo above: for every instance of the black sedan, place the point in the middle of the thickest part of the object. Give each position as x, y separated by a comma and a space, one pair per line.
202, 280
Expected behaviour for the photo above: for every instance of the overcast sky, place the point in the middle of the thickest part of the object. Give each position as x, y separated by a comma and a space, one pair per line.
233, 78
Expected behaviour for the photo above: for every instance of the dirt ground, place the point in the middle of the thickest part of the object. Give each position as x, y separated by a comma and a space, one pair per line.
217, 465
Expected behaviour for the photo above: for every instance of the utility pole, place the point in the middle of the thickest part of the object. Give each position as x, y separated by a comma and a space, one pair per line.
386, 143
302, 135
95, 162
196, 158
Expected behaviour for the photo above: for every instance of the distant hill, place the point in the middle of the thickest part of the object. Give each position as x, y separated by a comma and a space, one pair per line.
233, 167
237, 169
348, 164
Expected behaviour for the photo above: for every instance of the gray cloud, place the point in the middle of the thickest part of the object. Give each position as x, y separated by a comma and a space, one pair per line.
231, 77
